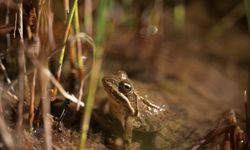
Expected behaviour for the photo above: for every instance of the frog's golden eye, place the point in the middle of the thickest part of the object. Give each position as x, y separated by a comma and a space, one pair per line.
125, 87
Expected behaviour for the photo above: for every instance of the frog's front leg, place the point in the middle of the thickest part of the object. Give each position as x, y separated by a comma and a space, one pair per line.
128, 130
130, 124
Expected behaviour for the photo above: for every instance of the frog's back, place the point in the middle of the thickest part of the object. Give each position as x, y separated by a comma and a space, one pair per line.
174, 135
153, 119
171, 131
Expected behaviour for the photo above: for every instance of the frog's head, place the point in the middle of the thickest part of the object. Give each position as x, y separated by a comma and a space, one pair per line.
121, 90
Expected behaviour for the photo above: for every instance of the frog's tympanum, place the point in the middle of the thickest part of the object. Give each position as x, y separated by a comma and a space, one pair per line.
137, 113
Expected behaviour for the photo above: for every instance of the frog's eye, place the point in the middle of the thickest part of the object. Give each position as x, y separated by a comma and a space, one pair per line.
125, 87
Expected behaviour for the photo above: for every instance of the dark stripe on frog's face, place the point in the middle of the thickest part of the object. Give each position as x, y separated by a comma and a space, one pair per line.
111, 84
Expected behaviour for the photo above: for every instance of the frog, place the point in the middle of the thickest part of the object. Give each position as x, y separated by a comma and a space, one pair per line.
137, 113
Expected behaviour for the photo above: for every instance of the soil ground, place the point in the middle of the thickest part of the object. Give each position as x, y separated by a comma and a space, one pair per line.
199, 69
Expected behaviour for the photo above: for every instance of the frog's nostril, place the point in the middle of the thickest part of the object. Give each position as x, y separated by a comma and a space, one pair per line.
105, 79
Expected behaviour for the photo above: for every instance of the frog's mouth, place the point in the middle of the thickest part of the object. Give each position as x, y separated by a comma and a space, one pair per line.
111, 87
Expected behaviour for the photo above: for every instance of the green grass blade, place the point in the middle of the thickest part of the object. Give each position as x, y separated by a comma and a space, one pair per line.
100, 31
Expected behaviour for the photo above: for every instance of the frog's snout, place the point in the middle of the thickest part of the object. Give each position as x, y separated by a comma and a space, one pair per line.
105, 80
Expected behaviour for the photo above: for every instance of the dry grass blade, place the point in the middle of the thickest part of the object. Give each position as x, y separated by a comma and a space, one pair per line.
22, 78
46, 110
66, 35
6, 75
80, 63
80, 94
60, 88
45, 30
84, 37
21, 63
5, 135
7, 22
179, 15
247, 103
5, 30
228, 21
11, 97
66, 8
247, 6
32, 101
81, 36
88, 21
